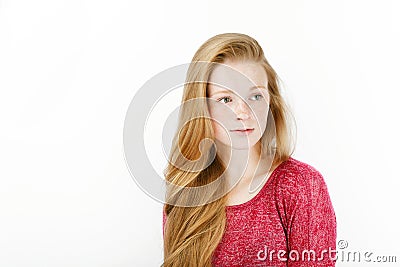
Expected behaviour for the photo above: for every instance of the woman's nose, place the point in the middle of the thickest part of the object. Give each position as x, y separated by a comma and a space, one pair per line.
242, 110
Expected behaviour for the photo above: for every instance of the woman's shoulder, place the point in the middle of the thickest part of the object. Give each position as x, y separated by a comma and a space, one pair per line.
296, 173
295, 165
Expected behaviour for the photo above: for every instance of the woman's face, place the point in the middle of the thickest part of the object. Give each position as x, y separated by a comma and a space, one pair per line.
238, 102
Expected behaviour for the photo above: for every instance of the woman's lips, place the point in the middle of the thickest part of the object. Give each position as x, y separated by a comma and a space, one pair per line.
243, 131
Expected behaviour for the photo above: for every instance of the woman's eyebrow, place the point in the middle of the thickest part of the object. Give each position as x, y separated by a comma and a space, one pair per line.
257, 86
229, 91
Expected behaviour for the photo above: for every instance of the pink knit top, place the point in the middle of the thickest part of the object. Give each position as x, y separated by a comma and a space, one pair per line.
290, 222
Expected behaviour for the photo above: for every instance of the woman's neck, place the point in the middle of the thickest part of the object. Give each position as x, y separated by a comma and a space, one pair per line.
243, 164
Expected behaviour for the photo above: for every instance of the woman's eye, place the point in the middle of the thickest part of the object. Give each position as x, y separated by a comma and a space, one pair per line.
225, 99
257, 97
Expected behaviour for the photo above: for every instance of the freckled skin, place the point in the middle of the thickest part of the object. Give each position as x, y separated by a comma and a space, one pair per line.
249, 108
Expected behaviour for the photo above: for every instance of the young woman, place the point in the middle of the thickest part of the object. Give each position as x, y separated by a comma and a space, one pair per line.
288, 220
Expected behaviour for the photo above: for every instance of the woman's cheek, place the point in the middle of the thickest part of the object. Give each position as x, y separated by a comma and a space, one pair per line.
260, 112
220, 132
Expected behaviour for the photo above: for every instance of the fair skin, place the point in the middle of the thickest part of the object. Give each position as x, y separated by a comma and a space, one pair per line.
238, 105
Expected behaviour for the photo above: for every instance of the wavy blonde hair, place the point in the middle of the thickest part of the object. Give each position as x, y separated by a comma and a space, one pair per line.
191, 234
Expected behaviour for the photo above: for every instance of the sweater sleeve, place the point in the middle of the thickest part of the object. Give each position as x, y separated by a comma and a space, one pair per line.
163, 222
308, 219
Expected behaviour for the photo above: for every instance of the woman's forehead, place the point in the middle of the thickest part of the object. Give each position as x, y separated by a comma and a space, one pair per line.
237, 76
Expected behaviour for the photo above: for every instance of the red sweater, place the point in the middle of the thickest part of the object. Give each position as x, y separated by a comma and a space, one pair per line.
290, 222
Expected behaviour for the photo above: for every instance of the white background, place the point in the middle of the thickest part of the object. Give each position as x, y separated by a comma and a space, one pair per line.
69, 69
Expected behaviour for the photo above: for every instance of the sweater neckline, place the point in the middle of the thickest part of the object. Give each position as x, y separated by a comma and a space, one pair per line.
253, 199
